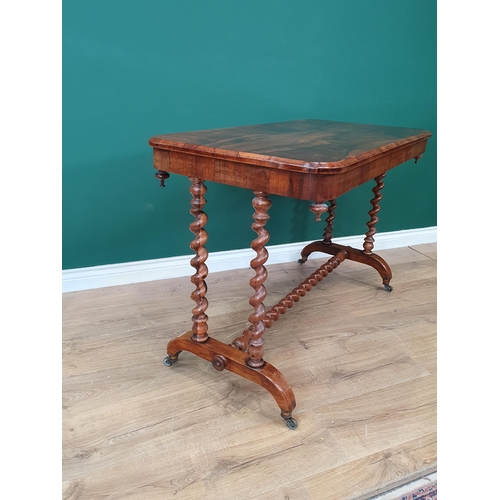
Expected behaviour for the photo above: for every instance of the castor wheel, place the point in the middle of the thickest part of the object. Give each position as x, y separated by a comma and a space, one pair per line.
291, 423
388, 288
168, 361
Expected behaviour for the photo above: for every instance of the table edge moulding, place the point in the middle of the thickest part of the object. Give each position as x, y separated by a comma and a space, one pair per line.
316, 160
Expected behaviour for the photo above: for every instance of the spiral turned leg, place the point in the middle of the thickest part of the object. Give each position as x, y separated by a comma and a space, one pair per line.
327, 234
199, 332
200, 326
372, 223
261, 204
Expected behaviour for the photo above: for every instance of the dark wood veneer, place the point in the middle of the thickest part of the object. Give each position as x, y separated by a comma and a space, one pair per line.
300, 159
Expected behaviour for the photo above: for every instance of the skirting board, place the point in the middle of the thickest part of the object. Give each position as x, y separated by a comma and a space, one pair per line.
172, 267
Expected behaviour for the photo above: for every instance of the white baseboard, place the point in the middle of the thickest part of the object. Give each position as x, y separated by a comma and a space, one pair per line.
172, 267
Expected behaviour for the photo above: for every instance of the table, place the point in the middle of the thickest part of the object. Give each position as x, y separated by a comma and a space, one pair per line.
316, 160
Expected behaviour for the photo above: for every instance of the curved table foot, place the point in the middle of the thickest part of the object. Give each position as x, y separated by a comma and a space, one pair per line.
370, 259
226, 357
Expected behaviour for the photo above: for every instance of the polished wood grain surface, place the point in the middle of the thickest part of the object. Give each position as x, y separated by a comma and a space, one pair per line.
365, 383
313, 146
306, 159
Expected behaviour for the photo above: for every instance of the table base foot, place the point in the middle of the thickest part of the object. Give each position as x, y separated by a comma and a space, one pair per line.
226, 357
370, 259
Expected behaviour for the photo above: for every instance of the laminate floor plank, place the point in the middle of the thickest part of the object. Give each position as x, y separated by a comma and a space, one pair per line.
361, 362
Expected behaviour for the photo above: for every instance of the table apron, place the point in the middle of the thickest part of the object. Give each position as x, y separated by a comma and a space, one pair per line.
294, 184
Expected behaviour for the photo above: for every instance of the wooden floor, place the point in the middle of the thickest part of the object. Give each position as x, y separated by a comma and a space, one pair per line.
361, 362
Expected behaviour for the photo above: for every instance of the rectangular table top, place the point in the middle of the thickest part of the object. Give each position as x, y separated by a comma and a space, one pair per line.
312, 145
269, 156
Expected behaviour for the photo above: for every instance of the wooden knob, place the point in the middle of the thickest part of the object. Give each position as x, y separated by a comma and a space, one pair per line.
162, 175
219, 362
318, 208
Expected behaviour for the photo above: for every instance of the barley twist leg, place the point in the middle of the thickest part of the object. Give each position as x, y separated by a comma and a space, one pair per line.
372, 229
261, 204
200, 326
372, 223
327, 234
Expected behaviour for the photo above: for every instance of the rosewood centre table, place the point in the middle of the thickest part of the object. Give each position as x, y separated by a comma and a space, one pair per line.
316, 160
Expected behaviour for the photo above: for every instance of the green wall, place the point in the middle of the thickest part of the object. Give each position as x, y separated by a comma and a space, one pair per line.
134, 69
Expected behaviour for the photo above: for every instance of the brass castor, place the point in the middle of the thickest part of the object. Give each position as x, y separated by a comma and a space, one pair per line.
291, 423
168, 361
